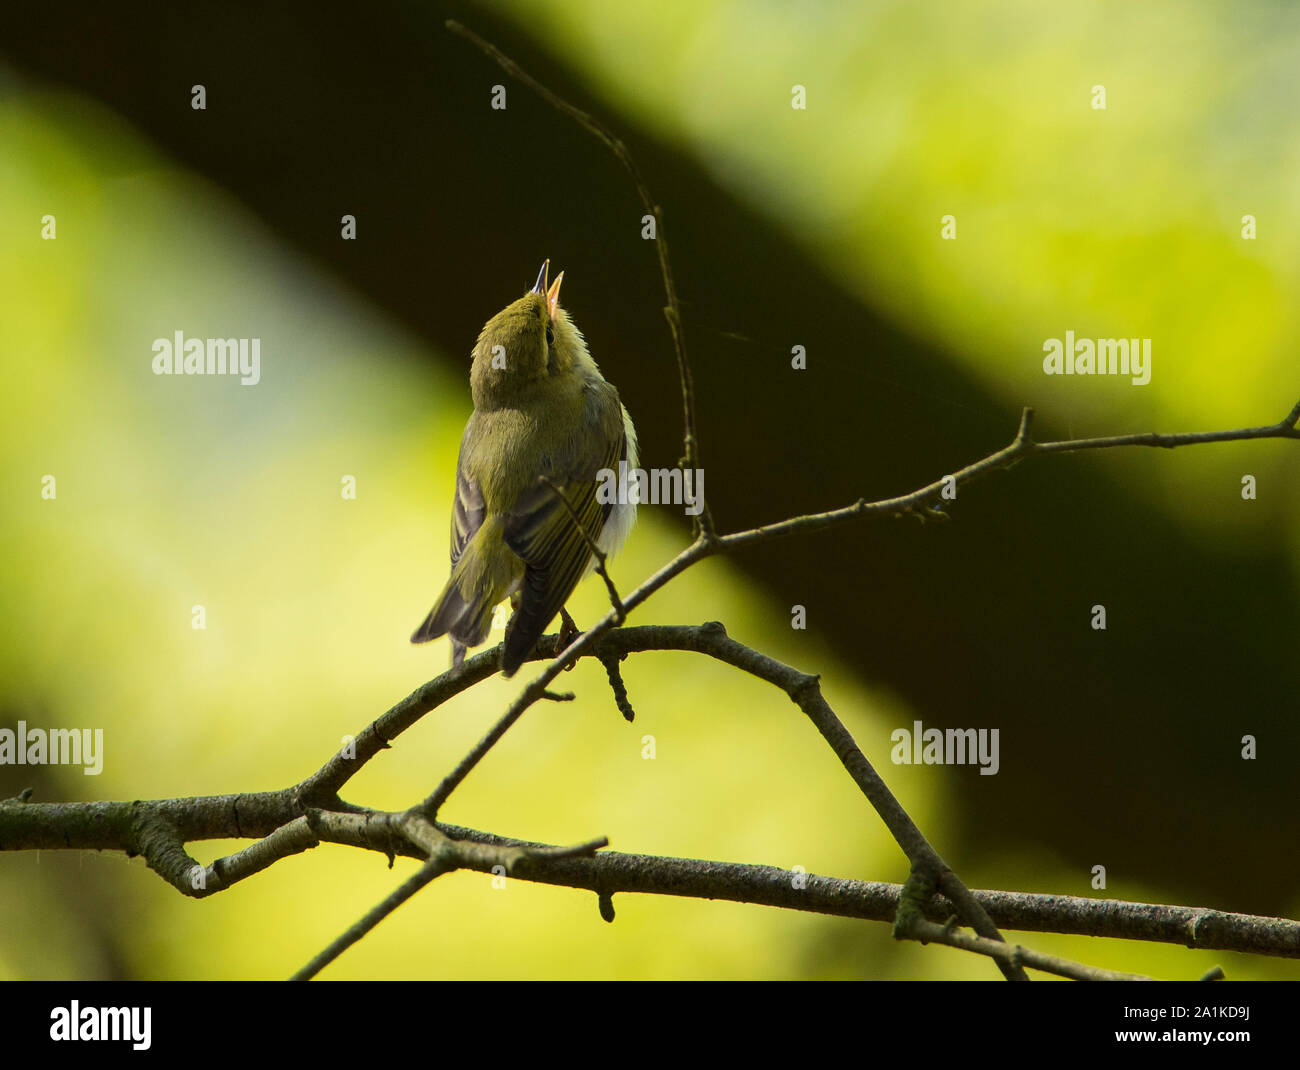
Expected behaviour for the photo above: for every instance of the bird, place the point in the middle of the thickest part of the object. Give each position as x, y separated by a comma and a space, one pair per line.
545, 423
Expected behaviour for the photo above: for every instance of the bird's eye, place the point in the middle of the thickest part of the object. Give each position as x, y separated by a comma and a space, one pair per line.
550, 335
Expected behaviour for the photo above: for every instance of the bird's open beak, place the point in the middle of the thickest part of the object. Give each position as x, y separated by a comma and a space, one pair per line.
553, 295
539, 287
545, 288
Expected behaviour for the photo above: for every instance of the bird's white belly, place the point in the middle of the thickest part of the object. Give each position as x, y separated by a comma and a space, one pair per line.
623, 515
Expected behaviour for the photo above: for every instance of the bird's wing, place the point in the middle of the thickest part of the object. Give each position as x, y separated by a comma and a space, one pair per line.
468, 507
543, 531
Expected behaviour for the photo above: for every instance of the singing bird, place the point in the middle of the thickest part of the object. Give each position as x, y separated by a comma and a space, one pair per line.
542, 411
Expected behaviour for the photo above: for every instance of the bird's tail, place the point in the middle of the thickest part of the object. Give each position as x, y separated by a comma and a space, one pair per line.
527, 624
480, 579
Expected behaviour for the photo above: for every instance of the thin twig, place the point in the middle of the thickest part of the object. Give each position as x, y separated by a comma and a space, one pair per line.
443, 855
1021, 447
1013, 956
430, 871
616, 684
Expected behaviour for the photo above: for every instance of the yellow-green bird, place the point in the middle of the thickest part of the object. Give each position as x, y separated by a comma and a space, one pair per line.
542, 411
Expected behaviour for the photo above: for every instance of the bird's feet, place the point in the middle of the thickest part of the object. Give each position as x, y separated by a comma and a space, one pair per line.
568, 633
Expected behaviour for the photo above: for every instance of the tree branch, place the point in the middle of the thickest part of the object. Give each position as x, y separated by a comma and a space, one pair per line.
285, 832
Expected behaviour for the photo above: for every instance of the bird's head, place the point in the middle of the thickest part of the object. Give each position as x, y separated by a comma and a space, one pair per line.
527, 344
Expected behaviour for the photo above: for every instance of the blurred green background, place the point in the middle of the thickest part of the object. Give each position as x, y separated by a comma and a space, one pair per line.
816, 227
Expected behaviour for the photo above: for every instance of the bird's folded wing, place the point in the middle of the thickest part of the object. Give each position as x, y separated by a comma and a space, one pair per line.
546, 535
467, 509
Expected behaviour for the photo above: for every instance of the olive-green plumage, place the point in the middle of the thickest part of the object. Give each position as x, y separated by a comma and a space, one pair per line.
542, 411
